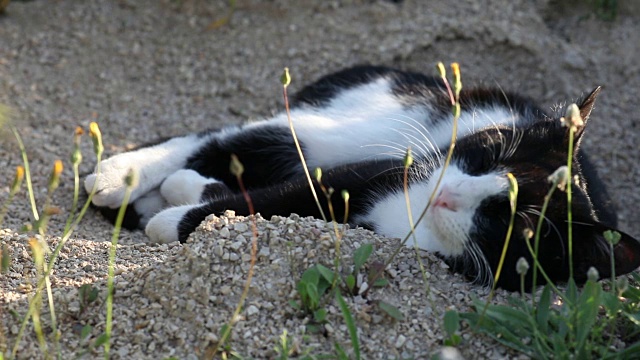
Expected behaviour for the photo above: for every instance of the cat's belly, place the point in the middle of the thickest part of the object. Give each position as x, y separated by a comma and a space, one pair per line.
369, 122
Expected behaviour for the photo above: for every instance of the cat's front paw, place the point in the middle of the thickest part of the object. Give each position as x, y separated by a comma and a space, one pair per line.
164, 227
109, 184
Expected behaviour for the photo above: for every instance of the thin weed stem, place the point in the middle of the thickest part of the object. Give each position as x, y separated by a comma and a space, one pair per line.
558, 180
38, 255
76, 159
408, 161
337, 234
544, 273
286, 80
513, 202
237, 169
131, 181
27, 172
572, 130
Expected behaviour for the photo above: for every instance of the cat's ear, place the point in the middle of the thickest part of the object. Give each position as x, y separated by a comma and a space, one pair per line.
587, 104
591, 249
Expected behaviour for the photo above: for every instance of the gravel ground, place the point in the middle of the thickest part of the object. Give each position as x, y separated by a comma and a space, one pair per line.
149, 69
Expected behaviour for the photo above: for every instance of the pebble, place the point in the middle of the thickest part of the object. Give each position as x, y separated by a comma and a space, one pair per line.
240, 227
224, 233
252, 310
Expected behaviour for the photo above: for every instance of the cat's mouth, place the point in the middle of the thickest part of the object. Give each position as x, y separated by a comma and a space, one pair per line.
447, 199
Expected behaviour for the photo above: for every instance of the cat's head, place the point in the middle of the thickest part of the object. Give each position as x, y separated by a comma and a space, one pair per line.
472, 204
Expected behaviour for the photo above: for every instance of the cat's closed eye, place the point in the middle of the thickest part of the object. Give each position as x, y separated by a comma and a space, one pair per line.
481, 161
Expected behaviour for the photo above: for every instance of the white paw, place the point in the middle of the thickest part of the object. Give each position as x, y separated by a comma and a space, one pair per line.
163, 228
184, 187
153, 165
109, 184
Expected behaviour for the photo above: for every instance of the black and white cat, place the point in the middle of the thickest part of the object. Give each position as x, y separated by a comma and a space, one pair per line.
357, 125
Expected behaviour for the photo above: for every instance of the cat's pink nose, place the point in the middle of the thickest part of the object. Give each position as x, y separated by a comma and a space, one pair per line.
446, 199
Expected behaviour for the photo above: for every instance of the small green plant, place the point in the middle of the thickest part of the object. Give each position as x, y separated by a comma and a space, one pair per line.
451, 328
574, 327
284, 348
313, 284
88, 295
317, 281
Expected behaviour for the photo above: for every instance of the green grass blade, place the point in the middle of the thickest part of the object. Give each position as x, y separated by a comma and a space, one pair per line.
587, 311
451, 322
351, 325
361, 255
543, 310
131, 181
391, 310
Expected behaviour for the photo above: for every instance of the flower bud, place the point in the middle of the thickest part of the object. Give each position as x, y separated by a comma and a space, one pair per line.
522, 266
52, 210
96, 137
559, 177
132, 178
408, 158
592, 274
441, 70
572, 117
457, 83
236, 167
76, 154
317, 173
54, 179
345, 195
612, 237
17, 180
285, 79
622, 284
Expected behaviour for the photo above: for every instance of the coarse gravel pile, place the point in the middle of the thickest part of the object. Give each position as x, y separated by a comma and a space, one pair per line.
148, 69
176, 300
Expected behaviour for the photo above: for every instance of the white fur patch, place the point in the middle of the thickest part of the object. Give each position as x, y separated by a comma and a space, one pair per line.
184, 187
368, 121
148, 205
163, 228
442, 230
153, 165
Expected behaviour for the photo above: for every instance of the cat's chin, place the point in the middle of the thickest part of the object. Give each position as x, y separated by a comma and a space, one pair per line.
447, 231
